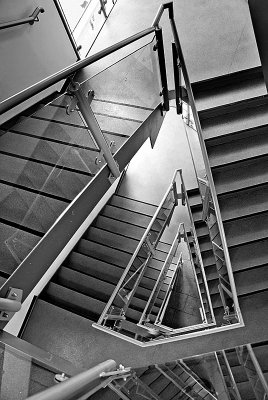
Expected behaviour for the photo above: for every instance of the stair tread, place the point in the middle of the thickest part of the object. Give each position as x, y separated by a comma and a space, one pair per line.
84, 284
122, 110
116, 226
112, 239
247, 281
126, 216
53, 153
249, 255
243, 175
15, 245
106, 122
133, 205
108, 272
73, 301
253, 114
237, 150
244, 203
55, 131
246, 229
103, 253
47, 179
252, 280
229, 88
30, 210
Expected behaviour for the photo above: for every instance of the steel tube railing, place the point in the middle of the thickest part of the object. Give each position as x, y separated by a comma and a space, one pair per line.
77, 386
25, 94
207, 166
198, 250
162, 275
29, 20
166, 299
143, 239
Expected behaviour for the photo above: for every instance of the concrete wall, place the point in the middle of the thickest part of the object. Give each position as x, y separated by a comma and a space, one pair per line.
30, 53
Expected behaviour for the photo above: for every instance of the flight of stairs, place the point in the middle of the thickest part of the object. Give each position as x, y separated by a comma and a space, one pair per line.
46, 159
86, 279
233, 111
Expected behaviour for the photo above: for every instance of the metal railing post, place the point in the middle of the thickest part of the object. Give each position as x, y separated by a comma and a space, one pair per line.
177, 79
92, 123
162, 66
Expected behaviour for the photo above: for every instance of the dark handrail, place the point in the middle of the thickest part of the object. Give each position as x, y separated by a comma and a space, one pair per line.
25, 94
30, 20
160, 11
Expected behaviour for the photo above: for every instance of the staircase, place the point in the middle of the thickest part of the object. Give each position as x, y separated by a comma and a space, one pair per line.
46, 160
88, 276
233, 111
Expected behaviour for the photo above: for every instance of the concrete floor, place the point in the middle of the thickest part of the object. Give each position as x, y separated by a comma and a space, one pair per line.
216, 36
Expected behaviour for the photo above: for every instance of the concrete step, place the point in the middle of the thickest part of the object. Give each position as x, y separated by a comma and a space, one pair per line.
49, 180
108, 123
15, 244
229, 88
249, 255
116, 226
55, 131
127, 216
244, 202
62, 155
133, 205
247, 229
236, 150
234, 117
243, 175
29, 210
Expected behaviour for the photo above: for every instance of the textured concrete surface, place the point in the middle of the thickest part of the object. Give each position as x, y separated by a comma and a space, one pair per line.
216, 36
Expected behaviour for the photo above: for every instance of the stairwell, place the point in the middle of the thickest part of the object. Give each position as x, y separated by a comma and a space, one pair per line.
233, 115
46, 160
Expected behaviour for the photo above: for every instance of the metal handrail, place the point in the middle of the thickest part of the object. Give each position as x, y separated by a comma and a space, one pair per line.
29, 20
163, 272
198, 252
81, 384
168, 293
231, 376
206, 160
25, 94
135, 254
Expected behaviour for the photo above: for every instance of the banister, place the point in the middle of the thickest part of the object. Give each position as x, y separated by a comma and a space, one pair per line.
78, 385
68, 71
30, 20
